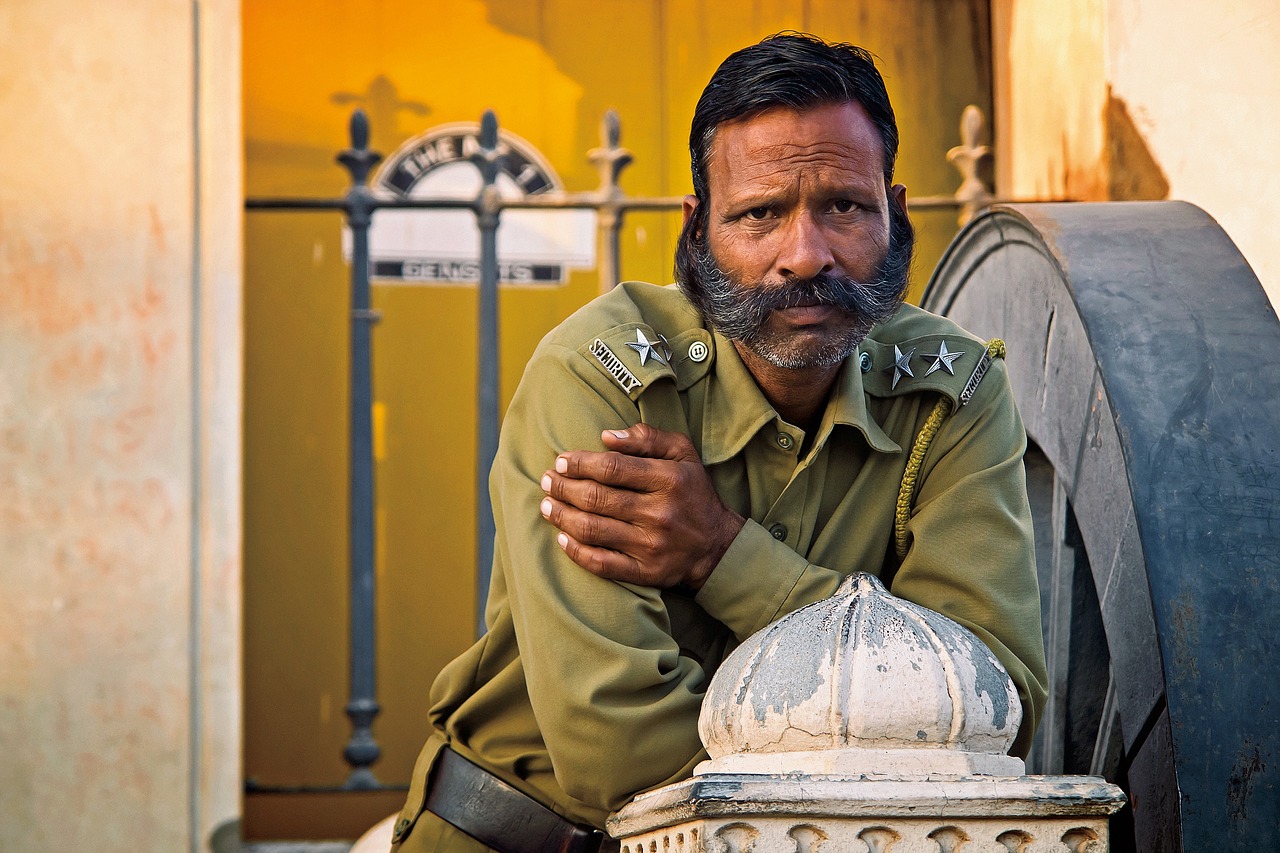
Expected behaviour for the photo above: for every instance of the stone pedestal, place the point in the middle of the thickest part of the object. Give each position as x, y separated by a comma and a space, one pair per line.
865, 724
799, 813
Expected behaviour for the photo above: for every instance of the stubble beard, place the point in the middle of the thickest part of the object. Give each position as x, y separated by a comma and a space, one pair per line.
741, 311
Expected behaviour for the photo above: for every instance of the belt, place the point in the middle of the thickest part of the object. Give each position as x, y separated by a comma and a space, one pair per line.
501, 817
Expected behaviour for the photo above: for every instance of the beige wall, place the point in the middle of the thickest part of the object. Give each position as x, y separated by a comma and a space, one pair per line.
119, 424
1123, 99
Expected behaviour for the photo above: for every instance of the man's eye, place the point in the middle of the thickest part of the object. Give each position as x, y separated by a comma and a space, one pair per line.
842, 205
758, 213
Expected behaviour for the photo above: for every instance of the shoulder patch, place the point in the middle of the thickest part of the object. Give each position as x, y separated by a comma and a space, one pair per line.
633, 355
984, 364
614, 367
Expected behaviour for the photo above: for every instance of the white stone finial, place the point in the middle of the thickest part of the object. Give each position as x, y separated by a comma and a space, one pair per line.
864, 722
863, 683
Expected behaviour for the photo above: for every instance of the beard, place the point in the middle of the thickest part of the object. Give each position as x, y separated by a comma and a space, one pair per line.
740, 311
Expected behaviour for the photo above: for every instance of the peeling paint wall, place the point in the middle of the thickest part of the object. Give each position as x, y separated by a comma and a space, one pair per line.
119, 424
1144, 99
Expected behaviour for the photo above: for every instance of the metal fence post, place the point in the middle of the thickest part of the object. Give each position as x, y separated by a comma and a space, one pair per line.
487, 160
361, 750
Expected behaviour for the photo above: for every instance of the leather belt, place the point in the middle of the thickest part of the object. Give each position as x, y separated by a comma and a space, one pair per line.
501, 817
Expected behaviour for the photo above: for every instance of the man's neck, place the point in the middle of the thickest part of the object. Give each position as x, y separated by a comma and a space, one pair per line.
799, 396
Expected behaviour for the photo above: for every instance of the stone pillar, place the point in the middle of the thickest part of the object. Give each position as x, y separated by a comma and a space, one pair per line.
120, 425
865, 723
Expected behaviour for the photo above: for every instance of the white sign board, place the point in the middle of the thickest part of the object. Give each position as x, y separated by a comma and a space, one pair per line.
535, 247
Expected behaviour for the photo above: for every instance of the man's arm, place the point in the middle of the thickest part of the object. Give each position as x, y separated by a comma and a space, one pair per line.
615, 698
644, 511
971, 554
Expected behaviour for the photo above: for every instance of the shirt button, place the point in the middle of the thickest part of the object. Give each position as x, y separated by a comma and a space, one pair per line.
864, 361
698, 351
785, 441
778, 531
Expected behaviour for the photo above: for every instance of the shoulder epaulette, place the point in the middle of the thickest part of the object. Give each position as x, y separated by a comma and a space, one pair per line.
950, 365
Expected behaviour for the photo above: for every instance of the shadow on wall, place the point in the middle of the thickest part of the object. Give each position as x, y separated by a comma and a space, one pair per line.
1132, 173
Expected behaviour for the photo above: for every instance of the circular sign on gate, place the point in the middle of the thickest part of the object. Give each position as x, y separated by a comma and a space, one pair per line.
424, 246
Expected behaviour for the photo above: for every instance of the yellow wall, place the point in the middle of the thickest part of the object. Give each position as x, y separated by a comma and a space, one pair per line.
550, 69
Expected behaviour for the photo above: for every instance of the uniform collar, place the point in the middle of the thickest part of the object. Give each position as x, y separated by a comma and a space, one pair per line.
736, 409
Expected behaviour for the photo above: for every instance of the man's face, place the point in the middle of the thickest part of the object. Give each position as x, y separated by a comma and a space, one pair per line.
795, 260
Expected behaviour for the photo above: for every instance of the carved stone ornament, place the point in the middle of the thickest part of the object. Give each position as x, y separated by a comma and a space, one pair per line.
863, 682
865, 724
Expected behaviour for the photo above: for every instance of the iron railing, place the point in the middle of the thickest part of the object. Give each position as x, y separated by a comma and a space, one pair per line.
359, 204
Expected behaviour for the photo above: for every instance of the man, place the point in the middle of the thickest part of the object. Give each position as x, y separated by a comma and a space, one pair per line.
682, 466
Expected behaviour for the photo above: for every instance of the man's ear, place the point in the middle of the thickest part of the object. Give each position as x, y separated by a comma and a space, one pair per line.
688, 208
899, 192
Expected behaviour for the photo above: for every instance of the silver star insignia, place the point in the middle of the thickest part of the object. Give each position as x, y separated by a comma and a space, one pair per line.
667, 351
647, 348
944, 359
901, 364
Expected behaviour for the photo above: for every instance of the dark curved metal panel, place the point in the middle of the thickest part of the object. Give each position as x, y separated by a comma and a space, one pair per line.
1146, 361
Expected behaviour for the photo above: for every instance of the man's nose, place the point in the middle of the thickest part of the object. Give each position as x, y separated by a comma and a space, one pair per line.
805, 250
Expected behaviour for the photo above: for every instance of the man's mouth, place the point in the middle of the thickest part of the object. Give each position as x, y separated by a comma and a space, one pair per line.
806, 312
798, 297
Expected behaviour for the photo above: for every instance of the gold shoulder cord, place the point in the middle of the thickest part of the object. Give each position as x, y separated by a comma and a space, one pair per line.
907, 494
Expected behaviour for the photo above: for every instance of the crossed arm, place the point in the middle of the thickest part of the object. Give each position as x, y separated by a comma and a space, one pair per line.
644, 511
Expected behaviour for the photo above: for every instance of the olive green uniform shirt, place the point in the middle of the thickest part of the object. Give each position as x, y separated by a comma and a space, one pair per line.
585, 691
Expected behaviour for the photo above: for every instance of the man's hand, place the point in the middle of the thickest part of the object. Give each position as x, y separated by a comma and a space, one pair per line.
644, 512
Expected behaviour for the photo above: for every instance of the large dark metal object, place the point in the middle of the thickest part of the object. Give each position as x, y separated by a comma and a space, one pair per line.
1146, 362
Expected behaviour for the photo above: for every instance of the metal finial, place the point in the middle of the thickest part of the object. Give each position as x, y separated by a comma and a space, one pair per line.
490, 149
489, 130
488, 159
359, 129
358, 159
609, 158
968, 157
611, 129
971, 124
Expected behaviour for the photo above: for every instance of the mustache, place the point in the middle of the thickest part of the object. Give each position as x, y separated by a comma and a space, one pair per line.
849, 294
739, 311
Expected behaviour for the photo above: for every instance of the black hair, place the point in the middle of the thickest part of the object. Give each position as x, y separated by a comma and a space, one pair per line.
794, 70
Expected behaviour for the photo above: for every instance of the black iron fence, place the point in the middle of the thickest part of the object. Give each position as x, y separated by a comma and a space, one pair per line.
359, 204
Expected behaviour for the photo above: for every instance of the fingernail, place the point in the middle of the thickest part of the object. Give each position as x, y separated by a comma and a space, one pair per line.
546, 482
619, 433
562, 465
563, 539
545, 506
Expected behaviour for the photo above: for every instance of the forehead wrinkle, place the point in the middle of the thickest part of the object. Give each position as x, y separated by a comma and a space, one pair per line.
789, 155
826, 148
819, 169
